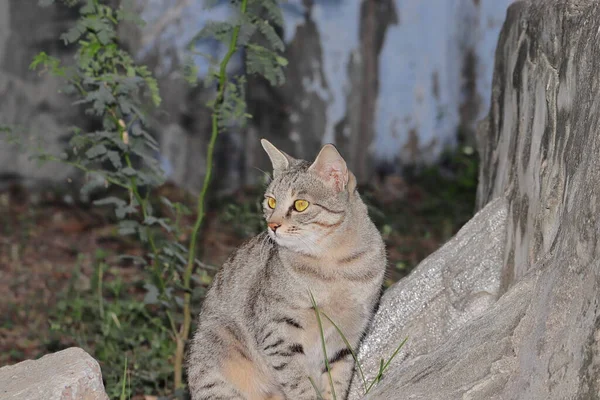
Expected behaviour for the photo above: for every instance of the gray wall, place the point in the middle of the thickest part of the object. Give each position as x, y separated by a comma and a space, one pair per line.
390, 82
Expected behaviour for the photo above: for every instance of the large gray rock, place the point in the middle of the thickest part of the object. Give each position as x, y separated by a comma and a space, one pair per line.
454, 285
539, 147
71, 374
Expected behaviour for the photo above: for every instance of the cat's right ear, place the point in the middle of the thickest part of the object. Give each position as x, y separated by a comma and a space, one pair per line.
279, 159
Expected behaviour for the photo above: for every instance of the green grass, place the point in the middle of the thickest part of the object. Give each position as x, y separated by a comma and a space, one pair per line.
111, 321
124, 380
383, 366
318, 314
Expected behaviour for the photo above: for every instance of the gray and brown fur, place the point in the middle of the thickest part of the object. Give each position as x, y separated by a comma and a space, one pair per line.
257, 335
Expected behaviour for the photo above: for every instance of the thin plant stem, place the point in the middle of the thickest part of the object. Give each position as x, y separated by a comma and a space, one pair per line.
312, 382
123, 392
319, 322
383, 366
184, 332
360, 370
99, 290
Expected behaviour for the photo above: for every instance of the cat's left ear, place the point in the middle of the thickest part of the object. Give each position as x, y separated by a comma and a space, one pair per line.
280, 160
331, 167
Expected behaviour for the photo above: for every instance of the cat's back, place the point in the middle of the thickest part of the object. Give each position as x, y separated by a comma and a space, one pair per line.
234, 282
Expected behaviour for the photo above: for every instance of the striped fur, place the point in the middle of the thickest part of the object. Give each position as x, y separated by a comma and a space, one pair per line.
257, 335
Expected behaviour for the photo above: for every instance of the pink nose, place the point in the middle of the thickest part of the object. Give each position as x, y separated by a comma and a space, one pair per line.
274, 226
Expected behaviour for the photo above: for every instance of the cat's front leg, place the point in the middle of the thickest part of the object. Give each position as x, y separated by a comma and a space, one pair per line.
342, 367
287, 361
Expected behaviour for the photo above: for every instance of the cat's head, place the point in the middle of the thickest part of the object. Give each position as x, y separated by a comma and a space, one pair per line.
306, 203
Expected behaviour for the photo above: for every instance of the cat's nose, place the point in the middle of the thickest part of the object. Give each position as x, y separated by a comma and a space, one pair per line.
274, 226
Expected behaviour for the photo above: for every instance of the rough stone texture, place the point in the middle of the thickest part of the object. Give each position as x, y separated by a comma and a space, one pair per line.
452, 286
70, 374
30, 103
367, 75
539, 147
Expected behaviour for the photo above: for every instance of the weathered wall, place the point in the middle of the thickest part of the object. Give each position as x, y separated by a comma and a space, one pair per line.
388, 81
30, 103
539, 146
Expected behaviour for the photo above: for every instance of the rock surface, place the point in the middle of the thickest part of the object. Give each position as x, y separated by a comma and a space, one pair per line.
455, 284
539, 147
71, 374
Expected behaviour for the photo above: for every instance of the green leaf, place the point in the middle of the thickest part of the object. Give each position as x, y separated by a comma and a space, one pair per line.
110, 200
154, 92
135, 259
40, 58
269, 33
115, 159
262, 61
130, 172
151, 296
74, 33
150, 220
215, 29
128, 227
88, 8
281, 61
273, 11
91, 185
96, 151
122, 211
190, 70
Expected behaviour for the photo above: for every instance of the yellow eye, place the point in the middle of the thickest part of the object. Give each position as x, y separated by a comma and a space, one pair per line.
271, 202
301, 205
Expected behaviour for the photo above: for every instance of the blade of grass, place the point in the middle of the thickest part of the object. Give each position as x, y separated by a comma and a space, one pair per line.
100, 268
360, 370
394, 354
314, 303
123, 392
319, 395
380, 373
383, 367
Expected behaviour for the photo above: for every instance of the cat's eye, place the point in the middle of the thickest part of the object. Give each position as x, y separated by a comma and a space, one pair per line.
300, 205
271, 202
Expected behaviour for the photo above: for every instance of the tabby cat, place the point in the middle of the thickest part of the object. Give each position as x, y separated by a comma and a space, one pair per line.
258, 335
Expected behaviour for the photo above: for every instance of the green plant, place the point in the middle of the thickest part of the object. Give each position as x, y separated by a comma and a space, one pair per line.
124, 382
383, 366
110, 319
245, 216
116, 91
229, 107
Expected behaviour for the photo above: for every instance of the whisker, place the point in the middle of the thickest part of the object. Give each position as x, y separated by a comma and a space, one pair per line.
267, 175
263, 248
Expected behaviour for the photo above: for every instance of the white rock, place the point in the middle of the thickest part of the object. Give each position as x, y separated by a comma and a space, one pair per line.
65, 375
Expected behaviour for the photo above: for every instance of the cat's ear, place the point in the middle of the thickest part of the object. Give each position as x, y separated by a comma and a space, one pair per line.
331, 167
279, 159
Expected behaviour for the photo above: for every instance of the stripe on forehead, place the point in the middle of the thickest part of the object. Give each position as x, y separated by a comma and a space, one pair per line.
291, 176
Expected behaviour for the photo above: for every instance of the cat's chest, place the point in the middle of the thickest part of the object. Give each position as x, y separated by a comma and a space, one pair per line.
334, 311
336, 323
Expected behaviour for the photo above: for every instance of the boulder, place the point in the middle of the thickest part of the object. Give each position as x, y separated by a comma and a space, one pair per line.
539, 149
453, 285
70, 374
